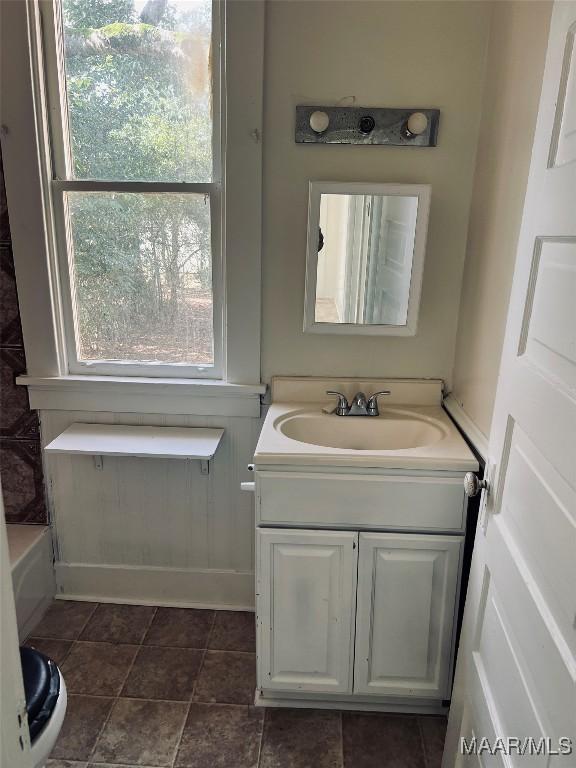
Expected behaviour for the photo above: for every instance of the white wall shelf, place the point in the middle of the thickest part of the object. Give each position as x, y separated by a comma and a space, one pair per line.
142, 442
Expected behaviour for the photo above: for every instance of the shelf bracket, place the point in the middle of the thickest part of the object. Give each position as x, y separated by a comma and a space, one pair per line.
204, 466
98, 462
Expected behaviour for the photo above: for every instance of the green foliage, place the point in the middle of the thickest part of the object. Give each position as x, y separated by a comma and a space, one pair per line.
97, 13
134, 115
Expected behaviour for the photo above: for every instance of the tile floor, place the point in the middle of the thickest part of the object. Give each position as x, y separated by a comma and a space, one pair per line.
173, 688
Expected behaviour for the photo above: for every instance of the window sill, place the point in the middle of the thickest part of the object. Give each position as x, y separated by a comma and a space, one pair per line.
202, 397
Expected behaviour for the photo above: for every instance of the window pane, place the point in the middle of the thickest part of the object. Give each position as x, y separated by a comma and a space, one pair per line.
139, 89
142, 272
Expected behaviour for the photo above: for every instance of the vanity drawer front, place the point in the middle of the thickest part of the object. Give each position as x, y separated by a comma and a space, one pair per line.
400, 502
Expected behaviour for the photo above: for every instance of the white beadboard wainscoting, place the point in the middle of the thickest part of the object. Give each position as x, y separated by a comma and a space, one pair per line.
151, 530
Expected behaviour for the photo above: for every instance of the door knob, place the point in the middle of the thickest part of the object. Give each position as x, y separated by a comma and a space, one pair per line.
473, 484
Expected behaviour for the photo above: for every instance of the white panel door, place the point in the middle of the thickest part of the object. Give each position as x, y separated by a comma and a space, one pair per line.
406, 606
516, 672
305, 610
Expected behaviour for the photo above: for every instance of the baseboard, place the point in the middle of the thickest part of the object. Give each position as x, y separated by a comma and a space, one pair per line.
346, 703
141, 585
468, 427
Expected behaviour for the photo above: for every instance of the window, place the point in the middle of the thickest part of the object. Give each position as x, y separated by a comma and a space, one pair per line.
131, 139
134, 97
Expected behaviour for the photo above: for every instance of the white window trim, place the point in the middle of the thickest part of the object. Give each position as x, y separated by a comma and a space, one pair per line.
25, 149
135, 394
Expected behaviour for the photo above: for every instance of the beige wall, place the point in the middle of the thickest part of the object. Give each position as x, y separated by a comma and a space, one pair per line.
383, 53
518, 38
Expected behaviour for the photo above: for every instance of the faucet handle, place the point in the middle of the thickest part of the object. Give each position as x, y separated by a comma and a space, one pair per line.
372, 406
342, 408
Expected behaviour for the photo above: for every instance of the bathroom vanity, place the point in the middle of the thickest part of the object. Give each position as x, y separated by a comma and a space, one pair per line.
360, 524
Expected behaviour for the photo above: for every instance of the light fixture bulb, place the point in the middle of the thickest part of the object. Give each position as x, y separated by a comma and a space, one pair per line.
417, 123
319, 121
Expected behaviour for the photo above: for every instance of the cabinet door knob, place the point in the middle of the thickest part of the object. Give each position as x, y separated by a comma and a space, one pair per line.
473, 484
250, 467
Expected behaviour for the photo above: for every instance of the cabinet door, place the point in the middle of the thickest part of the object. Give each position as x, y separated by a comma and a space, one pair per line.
407, 588
306, 590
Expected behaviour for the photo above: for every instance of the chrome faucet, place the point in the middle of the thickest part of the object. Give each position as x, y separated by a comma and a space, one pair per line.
360, 406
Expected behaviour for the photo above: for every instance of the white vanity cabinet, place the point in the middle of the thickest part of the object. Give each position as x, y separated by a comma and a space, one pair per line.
405, 610
355, 616
306, 608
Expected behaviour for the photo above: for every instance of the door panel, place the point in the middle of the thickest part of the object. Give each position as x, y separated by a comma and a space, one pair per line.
538, 510
563, 149
516, 672
549, 326
544, 660
305, 609
407, 588
506, 678
478, 725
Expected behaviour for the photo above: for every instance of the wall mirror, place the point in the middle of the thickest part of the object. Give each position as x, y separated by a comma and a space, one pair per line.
365, 259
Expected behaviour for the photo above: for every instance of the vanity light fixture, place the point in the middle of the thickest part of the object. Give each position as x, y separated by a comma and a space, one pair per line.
392, 126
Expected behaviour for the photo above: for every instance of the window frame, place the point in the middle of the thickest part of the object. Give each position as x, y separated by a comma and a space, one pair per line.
62, 181
33, 190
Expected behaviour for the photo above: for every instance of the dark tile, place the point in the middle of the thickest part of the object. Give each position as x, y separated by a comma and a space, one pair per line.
65, 619
233, 631
163, 673
180, 627
433, 736
57, 650
118, 623
22, 481
11, 333
98, 669
10, 328
381, 741
301, 738
220, 736
16, 418
141, 732
85, 716
227, 677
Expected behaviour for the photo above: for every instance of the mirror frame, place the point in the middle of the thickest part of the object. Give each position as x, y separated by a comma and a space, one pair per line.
316, 189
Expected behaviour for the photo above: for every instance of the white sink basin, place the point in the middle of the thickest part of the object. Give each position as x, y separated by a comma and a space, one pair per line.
413, 432
393, 430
